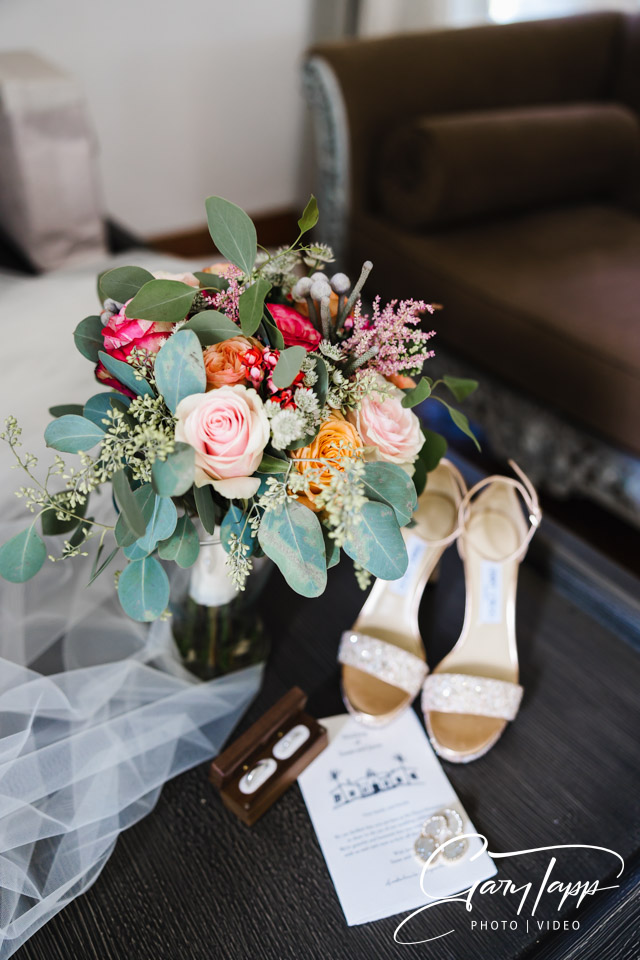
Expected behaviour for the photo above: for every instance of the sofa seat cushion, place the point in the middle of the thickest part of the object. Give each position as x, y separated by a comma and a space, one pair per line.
550, 301
452, 168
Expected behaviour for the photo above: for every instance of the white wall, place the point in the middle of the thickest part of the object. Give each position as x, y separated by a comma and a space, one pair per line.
189, 98
503, 11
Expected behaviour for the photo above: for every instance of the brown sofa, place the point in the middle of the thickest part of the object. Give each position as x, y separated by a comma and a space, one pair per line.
495, 170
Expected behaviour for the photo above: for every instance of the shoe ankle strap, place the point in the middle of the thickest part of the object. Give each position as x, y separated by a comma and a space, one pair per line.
529, 495
462, 491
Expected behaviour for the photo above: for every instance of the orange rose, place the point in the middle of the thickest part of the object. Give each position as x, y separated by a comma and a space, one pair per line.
326, 446
222, 362
402, 381
220, 269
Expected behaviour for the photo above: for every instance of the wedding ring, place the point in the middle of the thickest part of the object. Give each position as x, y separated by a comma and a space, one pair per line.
424, 847
439, 828
254, 779
453, 852
454, 820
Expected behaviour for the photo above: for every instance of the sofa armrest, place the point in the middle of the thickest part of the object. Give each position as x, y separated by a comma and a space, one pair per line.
358, 89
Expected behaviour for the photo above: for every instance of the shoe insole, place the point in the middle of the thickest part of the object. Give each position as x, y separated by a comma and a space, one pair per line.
487, 644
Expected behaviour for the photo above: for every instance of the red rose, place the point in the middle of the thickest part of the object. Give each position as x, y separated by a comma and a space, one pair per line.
296, 329
121, 335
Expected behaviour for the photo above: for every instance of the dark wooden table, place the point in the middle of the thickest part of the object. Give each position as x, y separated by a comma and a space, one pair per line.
190, 882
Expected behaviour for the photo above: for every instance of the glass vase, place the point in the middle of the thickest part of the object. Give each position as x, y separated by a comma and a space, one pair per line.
217, 629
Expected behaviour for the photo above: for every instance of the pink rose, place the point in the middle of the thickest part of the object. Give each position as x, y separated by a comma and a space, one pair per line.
229, 430
384, 424
121, 335
187, 278
296, 329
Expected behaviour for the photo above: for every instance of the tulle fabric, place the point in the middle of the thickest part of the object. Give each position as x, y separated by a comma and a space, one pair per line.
96, 713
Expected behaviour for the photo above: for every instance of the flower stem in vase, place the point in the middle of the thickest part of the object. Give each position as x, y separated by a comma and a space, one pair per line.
216, 628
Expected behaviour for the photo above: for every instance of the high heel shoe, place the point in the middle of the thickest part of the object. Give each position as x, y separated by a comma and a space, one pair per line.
382, 656
474, 691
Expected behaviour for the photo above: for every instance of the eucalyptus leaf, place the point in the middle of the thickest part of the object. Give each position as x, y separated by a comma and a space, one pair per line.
331, 549
211, 281
432, 450
72, 434
146, 499
163, 301
321, 385
206, 507
61, 409
81, 533
272, 465
98, 406
420, 392
388, 483
22, 556
460, 387
122, 283
378, 545
211, 327
129, 504
233, 232
98, 567
183, 546
460, 420
161, 525
51, 526
143, 589
88, 337
251, 306
276, 340
125, 374
309, 216
235, 521
288, 366
179, 368
419, 476
174, 476
291, 536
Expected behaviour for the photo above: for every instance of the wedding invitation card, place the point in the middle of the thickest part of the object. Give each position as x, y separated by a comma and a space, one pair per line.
368, 795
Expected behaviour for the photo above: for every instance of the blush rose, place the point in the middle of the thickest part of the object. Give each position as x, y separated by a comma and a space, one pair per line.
391, 431
229, 430
188, 278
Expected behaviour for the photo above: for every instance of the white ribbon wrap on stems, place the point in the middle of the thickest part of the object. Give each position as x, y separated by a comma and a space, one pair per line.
96, 713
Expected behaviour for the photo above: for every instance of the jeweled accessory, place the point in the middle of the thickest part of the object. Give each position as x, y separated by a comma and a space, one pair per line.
433, 842
255, 770
473, 693
382, 656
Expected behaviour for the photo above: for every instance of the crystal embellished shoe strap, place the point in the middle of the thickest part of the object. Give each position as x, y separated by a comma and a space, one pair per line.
383, 660
478, 696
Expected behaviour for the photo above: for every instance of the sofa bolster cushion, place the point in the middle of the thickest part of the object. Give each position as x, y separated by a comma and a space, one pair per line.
447, 169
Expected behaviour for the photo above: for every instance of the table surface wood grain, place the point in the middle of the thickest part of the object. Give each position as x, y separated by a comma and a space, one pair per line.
189, 881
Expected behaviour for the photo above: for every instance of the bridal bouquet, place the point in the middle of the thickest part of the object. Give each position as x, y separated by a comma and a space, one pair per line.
258, 397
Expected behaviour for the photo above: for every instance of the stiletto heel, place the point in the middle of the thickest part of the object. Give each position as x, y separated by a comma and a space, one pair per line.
382, 656
474, 691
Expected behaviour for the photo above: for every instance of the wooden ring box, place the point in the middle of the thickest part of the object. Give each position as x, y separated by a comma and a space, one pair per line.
256, 744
